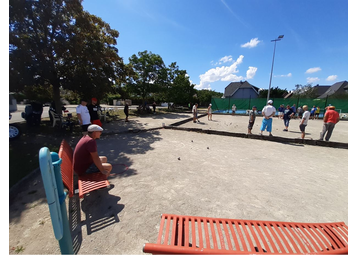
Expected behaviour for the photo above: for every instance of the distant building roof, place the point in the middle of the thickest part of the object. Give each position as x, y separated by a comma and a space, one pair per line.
234, 86
321, 89
338, 87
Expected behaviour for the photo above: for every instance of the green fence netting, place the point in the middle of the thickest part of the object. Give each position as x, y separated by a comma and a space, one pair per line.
245, 104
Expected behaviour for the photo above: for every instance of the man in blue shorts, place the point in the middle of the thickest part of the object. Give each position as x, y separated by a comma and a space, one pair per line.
267, 112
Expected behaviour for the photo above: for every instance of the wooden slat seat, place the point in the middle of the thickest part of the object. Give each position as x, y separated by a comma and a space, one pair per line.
87, 182
192, 235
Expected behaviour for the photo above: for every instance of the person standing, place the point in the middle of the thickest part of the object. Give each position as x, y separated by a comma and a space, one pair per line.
287, 115
304, 121
126, 107
317, 112
281, 109
233, 108
294, 110
252, 117
300, 112
210, 113
83, 116
154, 106
195, 113
330, 119
267, 112
85, 155
93, 109
313, 110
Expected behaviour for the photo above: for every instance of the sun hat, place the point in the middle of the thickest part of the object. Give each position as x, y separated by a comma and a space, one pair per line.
269, 101
93, 128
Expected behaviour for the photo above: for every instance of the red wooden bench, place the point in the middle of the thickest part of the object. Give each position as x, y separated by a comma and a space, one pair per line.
86, 183
192, 235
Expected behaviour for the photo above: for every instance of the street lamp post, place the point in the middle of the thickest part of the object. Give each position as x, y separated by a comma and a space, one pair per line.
273, 59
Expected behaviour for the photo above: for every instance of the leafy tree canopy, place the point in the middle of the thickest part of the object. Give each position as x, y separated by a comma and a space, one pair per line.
55, 42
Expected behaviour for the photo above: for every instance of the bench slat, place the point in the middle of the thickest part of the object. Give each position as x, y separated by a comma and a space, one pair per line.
230, 236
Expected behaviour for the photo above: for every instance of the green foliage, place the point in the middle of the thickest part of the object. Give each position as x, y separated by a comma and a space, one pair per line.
204, 96
176, 88
274, 93
57, 43
149, 71
39, 93
110, 97
306, 91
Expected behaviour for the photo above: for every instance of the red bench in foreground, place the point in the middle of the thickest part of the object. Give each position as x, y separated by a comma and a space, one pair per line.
86, 183
192, 235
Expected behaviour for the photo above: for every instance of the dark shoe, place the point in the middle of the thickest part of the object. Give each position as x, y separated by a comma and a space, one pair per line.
270, 135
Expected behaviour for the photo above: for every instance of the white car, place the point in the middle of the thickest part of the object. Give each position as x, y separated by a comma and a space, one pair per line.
14, 130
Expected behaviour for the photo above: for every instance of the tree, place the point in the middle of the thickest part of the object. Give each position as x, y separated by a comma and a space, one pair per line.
176, 87
56, 43
306, 91
205, 96
274, 93
149, 73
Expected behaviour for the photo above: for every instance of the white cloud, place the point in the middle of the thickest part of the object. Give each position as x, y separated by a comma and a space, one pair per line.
331, 78
222, 60
313, 70
232, 77
251, 72
311, 80
251, 44
223, 73
226, 59
284, 75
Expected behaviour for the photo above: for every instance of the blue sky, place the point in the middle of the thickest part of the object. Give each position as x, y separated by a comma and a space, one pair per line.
221, 41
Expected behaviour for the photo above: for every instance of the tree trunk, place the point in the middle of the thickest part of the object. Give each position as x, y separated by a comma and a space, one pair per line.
56, 97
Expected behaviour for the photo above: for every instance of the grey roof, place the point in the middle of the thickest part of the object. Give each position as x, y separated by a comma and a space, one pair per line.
320, 90
234, 86
338, 87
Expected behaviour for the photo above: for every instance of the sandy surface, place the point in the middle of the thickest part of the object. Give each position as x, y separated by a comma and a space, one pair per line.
189, 173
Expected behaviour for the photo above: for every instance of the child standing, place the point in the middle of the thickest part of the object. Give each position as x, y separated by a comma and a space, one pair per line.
210, 113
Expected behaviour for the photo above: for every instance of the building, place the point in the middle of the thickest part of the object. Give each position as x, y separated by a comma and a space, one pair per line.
336, 89
322, 91
241, 90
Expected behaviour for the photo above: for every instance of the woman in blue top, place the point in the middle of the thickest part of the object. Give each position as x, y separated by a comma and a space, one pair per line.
288, 113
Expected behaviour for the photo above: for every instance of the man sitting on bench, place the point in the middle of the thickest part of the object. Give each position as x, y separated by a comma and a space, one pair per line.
85, 157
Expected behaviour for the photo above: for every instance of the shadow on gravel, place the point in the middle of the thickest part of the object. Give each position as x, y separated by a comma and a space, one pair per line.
29, 192
101, 210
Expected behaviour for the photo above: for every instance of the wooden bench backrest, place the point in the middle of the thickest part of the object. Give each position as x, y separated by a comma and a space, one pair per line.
66, 154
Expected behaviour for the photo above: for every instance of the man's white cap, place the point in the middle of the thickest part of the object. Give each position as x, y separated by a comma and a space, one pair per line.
93, 128
269, 101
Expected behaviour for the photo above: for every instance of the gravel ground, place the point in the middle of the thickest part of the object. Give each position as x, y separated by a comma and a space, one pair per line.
171, 171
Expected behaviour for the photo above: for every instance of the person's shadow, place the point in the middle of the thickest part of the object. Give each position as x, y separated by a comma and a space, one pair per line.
101, 210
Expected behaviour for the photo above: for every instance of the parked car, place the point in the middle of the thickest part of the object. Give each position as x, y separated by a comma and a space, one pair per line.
14, 130
32, 114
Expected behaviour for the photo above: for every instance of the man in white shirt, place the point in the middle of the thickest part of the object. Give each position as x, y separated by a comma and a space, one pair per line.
233, 108
83, 115
267, 112
305, 118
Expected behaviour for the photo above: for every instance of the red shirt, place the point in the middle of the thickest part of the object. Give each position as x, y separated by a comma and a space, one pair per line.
331, 116
82, 158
